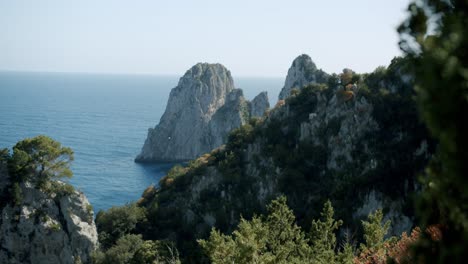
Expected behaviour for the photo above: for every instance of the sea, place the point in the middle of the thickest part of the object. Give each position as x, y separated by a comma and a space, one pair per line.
104, 118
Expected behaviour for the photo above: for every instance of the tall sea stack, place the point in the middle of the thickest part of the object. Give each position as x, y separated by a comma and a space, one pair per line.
201, 111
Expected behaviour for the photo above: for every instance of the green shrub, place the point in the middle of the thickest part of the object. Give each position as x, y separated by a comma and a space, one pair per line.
55, 227
122, 252
117, 222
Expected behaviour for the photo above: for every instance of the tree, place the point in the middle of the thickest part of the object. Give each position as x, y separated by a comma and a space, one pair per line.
346, 255
39, 160
435, 39
374, 230
285, 239
271, 239
322, 235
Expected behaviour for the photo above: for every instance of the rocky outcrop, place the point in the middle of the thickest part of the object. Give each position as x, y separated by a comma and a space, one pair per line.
201, 111
302, 72
362, 152
47, 228
259, 105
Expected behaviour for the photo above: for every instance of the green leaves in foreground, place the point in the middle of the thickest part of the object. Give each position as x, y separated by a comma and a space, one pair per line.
374, 231
276, 238
435, 38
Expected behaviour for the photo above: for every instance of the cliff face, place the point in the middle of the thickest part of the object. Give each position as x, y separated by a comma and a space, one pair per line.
302, 72
259, 105
47, 228
359, 148
200, 112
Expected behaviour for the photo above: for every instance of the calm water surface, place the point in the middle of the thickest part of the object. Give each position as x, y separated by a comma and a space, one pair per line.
103, 118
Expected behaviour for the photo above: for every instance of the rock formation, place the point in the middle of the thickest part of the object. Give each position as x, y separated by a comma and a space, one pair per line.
313, 147
201, 111
259, 104
46, 228
301, 73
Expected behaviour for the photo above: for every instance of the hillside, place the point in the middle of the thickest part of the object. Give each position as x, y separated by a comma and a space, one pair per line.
355, 140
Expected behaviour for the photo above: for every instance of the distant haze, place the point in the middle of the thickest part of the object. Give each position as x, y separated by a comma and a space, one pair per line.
251, 38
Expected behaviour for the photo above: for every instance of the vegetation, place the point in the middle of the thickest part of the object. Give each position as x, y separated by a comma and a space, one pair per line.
132, 249
39, 160
298, 167
276, 238
117, 222
374, 231
435, 40
183, 209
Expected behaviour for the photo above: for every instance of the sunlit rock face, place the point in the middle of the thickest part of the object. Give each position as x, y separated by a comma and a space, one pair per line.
302, 72
201, 111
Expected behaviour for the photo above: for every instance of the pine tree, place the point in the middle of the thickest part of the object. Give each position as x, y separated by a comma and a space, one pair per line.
272, 239
346, 255
374, 231
322, 235
40, 159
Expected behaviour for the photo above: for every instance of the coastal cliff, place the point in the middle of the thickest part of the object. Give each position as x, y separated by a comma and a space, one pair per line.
355, 140
201, 111
45, 227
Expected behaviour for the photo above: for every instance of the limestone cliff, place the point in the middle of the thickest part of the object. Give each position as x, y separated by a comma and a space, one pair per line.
202, 109
302, 72
360, 148
46, 228
259, 104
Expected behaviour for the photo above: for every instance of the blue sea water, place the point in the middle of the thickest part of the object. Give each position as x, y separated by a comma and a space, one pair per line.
103, 118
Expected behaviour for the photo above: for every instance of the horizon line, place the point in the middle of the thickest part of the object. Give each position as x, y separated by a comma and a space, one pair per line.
126, 73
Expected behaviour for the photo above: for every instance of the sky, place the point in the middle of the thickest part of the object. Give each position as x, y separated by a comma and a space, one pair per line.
251, 38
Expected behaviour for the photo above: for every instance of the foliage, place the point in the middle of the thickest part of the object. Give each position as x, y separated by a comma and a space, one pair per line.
39, 160
275, 238
172, 174
55, 227
271, 239
117, 222
122, 252
347, 77
435, 39
132, 249
346, 255
156, 252
374, 231
322, 235
60, 189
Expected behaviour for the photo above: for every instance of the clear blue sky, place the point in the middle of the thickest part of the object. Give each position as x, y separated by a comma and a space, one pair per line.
251, 38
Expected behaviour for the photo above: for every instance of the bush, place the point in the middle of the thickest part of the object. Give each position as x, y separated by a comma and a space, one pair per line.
122, 252
55, 227
117, 222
